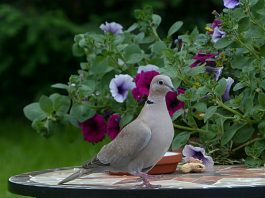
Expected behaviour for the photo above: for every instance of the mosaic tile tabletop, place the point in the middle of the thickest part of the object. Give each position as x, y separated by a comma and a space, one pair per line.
220, 177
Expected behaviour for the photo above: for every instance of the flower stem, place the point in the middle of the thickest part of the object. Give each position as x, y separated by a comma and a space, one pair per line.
155, 33
189, 128
246, 144
252, 51
221, 104
252, 19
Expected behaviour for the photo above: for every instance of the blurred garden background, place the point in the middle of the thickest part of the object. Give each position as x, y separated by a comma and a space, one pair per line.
36, 40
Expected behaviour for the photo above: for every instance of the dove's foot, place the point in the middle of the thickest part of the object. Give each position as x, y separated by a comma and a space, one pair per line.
147, 185
145, 178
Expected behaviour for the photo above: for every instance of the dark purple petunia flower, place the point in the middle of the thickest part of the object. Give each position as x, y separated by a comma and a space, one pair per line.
190, 151
231, 3
201, 58
112, 27
229, 82
173, 104
217, 34
113, 125
142, 81
216, 71
94, 129
216, 23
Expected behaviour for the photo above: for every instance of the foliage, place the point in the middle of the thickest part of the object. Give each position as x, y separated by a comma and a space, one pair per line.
231, 127
32, 44
36, 38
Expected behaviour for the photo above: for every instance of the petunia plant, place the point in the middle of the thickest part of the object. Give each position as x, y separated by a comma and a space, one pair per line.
219, 74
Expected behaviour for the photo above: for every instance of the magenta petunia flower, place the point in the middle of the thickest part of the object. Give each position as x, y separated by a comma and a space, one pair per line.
231, 3
94, 129
112, 27
229, 82
217, 34
201, 58
173, 104
142, 81
190, 151
113, 125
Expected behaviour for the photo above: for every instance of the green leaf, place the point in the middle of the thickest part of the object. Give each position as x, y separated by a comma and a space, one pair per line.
100, 66
261, 127
77, 51
41, 127
230, 131
156, 19
174, 28
134, 58
253, 2
34, 112
243, 134
252, 162
256, 149
223, 43
261, 12
209, 112
82, 112
238, 86
261, 99
125, 119
61, 104
220, 87
177, 114
132, 27
194, 70
180, 140
60, 86
46, 104
88, 87
158, 47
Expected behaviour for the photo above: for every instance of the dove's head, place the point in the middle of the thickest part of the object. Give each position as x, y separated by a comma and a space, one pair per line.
160, 85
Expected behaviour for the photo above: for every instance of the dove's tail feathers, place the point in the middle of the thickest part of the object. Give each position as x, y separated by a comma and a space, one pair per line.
75, 175
90, 166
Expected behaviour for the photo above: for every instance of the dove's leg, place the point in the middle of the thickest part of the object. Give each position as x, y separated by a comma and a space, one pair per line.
145, 180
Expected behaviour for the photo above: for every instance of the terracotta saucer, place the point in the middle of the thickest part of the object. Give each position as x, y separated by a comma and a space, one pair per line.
166, 165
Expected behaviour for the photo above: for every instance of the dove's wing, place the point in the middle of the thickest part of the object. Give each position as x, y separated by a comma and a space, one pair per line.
130, 141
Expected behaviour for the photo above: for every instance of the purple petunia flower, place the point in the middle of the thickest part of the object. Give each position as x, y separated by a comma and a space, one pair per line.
94, 129
201, 58
231, 3
190, 151
113, 125
214, 70
229, 82
216, 23
173, 104
147, 68
217, 34
112, 27
120, 86
142, 81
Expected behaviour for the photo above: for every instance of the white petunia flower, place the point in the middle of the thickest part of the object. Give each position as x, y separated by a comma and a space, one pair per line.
147, 68
120, 86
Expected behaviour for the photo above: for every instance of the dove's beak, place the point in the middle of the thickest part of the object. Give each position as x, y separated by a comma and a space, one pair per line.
172, 89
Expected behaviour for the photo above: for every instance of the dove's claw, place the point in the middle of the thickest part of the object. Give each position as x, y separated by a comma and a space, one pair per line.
146, 183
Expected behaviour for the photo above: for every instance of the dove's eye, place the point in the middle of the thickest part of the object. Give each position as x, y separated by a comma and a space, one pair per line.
160, 82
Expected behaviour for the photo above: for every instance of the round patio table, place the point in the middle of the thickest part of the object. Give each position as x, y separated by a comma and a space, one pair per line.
223, 181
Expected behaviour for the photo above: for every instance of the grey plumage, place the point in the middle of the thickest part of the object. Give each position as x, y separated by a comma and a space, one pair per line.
140, 144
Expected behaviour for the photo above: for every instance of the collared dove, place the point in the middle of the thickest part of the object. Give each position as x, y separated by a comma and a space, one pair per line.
141, 143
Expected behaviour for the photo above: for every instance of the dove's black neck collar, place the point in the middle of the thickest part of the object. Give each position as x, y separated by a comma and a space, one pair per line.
150, 101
